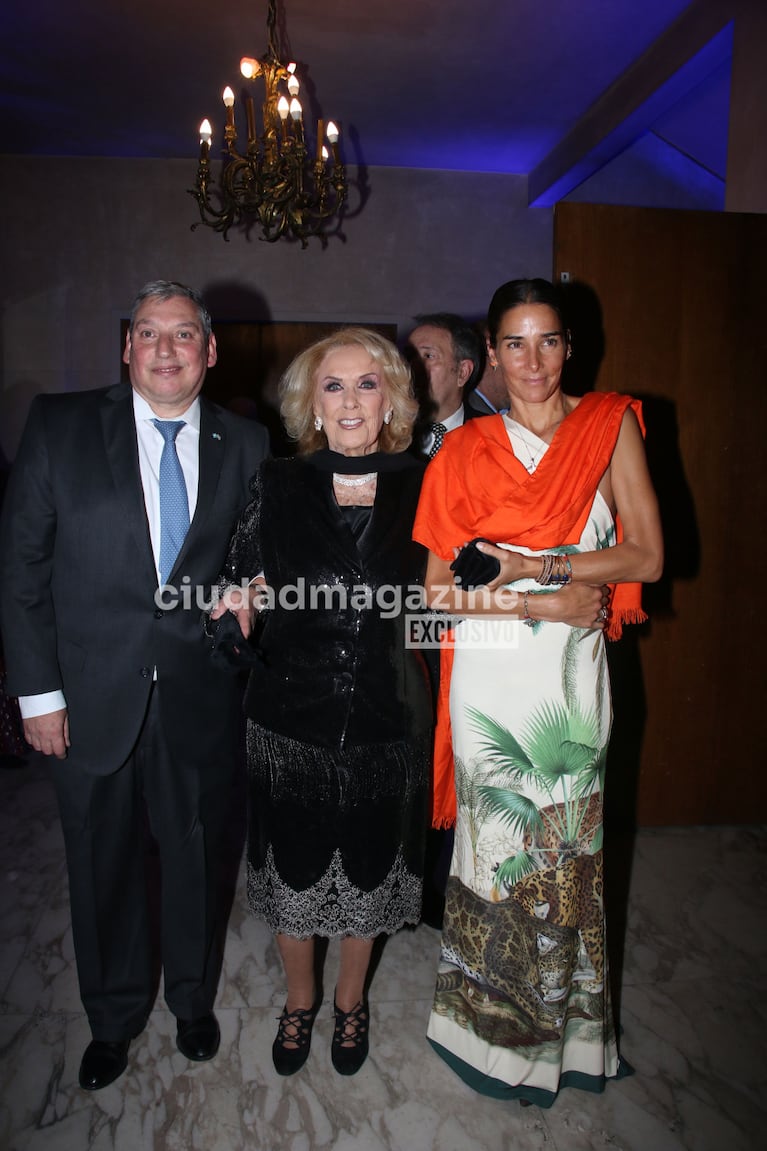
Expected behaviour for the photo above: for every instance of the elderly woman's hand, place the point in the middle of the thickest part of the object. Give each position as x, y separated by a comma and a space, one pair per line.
242, 602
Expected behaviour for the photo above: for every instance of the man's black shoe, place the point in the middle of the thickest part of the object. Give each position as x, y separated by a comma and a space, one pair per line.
198, 1039
102, 1063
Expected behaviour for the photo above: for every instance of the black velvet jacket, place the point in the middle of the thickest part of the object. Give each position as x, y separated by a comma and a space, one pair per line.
335, 668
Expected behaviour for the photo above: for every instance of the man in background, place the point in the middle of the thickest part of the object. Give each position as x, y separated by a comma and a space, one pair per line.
448, 357
489, 396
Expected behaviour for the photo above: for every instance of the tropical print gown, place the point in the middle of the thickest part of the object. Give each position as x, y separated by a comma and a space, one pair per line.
522, 1005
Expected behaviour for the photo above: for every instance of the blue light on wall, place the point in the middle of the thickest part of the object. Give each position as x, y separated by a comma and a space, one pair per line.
710, 66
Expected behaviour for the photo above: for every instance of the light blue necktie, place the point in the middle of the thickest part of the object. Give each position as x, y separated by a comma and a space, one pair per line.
174, 505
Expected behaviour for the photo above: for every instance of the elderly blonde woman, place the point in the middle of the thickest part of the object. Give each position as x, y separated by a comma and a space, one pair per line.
339, 710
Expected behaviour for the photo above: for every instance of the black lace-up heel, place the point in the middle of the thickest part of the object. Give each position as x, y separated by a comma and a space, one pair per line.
295, 1027
350, 1046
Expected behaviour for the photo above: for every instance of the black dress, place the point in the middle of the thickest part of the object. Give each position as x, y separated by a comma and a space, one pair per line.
339, 710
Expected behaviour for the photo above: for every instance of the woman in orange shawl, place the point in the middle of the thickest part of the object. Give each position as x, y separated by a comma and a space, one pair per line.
559, 489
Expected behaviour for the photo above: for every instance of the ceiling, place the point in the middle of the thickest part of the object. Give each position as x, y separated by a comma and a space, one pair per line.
490, 85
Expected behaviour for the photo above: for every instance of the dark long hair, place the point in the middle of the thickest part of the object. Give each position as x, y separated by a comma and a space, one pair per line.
516, 292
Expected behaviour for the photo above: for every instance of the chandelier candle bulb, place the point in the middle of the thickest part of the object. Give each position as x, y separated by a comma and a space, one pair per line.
206, 134
333, 139
296, 115
228, 99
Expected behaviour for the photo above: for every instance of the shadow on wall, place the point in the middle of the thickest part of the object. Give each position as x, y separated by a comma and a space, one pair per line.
583, 313
583, 316
15, 402
682, 547
253, 352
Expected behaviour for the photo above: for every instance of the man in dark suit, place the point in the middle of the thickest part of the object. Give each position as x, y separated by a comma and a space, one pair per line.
104, 647
488, 397
448, 358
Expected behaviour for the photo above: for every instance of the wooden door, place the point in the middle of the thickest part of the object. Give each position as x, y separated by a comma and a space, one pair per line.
671, 307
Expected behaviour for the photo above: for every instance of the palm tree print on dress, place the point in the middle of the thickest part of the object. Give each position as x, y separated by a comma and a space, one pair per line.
561, 753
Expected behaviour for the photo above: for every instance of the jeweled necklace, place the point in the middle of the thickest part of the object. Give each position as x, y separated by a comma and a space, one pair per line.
353, 481
534, 453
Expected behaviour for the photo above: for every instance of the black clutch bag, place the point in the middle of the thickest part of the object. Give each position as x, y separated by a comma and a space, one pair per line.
475, 569
230, 648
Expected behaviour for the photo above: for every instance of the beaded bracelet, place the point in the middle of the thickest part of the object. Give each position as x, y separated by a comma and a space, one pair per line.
547, 568
555, 569
526, 617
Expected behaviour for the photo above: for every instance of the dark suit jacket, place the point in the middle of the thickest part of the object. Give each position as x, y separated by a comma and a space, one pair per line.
78, 579
471, 411
477, 405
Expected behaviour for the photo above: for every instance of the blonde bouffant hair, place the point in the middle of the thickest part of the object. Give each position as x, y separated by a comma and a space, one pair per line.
297, 390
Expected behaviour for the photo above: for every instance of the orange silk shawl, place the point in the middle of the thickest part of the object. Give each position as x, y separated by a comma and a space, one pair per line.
476, 486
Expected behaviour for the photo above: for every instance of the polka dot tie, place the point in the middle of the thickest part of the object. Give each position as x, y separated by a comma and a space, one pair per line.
438, 431
174, 505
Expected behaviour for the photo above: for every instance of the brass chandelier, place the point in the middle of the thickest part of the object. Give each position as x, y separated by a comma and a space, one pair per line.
274, 184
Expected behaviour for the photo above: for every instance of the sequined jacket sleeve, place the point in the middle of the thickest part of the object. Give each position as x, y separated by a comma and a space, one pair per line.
243, 560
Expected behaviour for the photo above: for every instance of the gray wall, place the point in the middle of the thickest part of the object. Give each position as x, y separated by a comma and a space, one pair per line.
79, 236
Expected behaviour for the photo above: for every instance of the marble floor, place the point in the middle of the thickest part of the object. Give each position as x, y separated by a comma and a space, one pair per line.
690, 940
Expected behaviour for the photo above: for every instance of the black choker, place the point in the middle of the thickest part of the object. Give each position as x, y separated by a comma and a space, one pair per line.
328, 461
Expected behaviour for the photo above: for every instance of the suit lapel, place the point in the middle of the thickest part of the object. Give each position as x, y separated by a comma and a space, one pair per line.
119, 431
